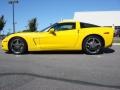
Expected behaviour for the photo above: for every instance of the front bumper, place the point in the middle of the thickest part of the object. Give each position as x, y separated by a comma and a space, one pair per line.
4, 45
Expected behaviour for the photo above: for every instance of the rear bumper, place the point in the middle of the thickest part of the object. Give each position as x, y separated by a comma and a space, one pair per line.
109, 42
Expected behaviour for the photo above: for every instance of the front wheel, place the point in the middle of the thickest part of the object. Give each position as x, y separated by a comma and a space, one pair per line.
17, 45
92, 45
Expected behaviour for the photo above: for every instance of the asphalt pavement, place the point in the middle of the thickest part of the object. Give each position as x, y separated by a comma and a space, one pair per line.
60, 71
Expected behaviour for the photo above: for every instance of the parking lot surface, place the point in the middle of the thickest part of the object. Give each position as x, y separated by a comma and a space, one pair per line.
60, 71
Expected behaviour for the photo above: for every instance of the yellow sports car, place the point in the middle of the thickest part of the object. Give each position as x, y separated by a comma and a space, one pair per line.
64, 35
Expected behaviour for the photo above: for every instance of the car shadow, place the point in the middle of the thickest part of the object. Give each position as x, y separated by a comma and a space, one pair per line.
105, 51
62, 79
108, 50
56, 52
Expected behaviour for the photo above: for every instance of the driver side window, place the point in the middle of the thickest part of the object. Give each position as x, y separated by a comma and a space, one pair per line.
64, 26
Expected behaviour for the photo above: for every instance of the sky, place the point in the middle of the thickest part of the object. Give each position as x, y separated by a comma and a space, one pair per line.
50, 11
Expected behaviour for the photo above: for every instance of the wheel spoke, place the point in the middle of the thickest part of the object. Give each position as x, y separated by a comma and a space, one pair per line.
97, 44
13, 44
17, 41
93, 40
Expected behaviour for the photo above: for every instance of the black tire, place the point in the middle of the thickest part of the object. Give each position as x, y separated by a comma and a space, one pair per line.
17, 45
92, 45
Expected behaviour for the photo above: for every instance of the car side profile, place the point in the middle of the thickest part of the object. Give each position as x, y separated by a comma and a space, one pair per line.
64, 35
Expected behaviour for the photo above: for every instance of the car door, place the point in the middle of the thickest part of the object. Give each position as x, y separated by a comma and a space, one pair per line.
64, 36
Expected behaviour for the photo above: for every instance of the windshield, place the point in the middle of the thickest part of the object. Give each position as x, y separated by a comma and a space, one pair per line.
47, 28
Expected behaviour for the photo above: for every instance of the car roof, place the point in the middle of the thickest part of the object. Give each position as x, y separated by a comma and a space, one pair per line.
68, 20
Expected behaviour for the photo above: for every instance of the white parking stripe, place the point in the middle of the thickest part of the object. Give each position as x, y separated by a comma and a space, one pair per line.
116, 43
17, 55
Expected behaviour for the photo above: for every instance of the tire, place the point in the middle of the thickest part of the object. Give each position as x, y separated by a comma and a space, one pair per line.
17, 45
92, 45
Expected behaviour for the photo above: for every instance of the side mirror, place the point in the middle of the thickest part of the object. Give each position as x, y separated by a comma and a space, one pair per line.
52, 31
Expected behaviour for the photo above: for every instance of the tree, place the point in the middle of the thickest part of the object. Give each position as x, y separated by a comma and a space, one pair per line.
33, 25
2, 23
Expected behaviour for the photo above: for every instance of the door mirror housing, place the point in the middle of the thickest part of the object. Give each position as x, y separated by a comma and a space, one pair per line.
52, 31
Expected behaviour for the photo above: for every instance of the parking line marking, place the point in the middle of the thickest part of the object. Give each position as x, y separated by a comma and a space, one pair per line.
17, 55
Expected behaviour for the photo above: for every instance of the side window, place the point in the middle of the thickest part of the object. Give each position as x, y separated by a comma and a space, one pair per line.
87, 25
64, 26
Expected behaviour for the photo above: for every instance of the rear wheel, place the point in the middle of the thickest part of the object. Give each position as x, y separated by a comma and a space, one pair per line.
92, 45
17, 45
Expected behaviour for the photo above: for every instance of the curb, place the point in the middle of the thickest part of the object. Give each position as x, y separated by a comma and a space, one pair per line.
116, 43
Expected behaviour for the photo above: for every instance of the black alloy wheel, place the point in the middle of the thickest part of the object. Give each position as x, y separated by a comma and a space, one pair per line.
92, 45
17, 45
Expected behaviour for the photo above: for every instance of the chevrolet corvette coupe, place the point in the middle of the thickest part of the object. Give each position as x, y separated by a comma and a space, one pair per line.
64, 35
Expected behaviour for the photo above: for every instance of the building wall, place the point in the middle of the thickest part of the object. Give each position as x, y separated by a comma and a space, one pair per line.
102, 18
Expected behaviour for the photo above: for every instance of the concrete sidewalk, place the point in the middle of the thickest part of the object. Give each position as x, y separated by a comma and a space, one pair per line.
116, 39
